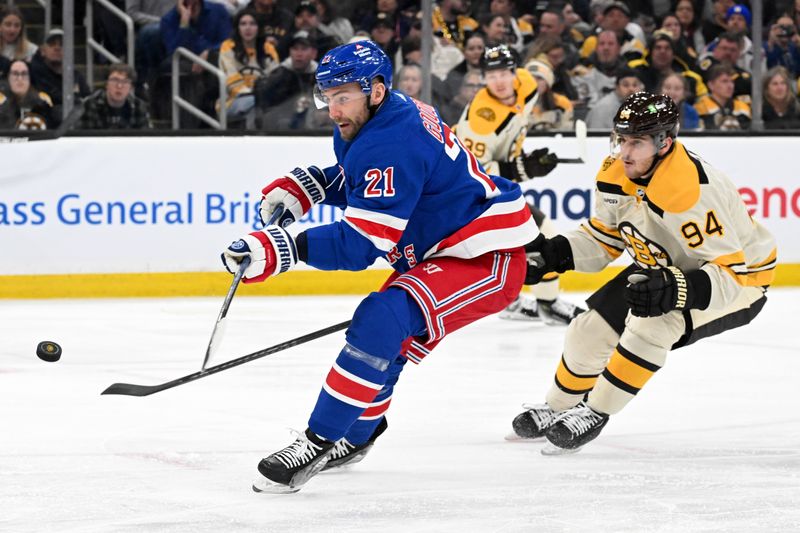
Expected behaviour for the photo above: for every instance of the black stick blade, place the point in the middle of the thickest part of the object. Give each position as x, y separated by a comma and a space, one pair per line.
129, 389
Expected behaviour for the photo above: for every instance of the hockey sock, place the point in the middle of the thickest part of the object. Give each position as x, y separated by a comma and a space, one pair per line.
364, 427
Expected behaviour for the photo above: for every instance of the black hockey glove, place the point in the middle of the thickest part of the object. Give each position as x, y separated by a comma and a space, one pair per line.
656, 292
533, 165
547, 255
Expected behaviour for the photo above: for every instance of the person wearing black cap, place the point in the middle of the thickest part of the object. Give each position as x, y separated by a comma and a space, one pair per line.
47, 68
306, 18
286, 94
616, 17
383, 33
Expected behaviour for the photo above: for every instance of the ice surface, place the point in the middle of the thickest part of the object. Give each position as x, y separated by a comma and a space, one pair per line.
711, 444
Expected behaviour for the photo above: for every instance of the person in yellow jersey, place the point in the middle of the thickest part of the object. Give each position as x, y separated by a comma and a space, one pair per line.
493, 126
701, 266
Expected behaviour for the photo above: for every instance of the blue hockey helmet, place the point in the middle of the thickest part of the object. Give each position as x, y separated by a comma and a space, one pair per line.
359, 62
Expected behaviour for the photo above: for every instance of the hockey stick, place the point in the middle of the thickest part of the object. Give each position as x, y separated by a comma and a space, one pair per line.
580, 138
49, 135
219, 325
129, 389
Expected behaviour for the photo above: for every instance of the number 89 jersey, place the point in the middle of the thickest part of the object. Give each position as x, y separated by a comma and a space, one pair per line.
494, 131
689, 215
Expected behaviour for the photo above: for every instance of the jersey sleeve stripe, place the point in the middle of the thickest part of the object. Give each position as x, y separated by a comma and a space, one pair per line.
502, 226
605, 230
382, 237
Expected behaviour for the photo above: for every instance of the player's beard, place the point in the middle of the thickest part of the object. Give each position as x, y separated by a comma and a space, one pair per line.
354, 124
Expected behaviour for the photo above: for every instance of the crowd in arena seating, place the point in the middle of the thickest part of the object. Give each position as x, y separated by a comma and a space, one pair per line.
586, 55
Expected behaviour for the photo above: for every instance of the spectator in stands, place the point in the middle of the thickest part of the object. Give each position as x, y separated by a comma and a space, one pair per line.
14, 43
283, 98
781, 109
553, 111
552, 22
451, 110
493, 28
783, 46
661, 61
519, 32
244, 58
550, 49
473, 52
115, 107
451, 23
337, 27
677, 87
727, 50
21, 105
601, 115
47, 68
689, 18
616, 17
598, 77
718, 24
149, 48
719, 110
383, 34
277, 21
409, 80
198, 25
739, 20
307, 19
390, 8
683, 50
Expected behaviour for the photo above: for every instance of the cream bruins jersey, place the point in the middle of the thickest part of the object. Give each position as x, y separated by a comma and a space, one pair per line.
689, 215
494, 131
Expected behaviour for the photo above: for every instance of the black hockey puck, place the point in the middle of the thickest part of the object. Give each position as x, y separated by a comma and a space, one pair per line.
48, 351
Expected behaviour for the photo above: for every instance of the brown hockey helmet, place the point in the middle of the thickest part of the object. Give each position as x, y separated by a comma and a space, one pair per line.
646, 113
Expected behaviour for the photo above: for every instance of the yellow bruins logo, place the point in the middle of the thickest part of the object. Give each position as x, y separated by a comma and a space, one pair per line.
645, 252
705, 64
486, 113
625, 114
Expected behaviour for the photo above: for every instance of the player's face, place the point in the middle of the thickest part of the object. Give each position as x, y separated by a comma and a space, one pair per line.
347, 107
500, 84
636, 152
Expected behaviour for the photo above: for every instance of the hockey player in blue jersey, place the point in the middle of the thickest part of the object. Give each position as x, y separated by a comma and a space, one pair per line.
411, 193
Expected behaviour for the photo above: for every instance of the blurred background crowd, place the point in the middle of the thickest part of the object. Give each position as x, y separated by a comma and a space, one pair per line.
253, 61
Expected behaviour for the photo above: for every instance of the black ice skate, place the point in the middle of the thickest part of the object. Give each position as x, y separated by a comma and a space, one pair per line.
523, 308
532, 423
288, 469
573, 429
558, 312
345, 453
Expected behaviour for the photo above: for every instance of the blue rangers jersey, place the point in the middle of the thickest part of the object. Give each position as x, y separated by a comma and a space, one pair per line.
410, 192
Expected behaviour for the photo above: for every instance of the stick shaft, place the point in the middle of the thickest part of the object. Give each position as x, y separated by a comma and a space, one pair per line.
130, 389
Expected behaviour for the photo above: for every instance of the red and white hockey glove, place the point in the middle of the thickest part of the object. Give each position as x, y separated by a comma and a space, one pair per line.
297, 192
272, 251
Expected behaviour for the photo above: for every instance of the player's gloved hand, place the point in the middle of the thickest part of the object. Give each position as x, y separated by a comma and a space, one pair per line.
527, 166
655, 292
272, 251
547, 255
297, 192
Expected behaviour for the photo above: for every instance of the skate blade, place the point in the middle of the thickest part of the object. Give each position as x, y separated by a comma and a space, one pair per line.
266, 486
513, 437
519, 318
551, 449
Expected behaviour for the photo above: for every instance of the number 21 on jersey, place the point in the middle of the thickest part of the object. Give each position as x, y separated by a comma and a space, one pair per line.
379, 182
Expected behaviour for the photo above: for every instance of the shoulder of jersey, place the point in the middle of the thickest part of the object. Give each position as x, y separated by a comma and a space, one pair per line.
3, 99
675, 186
226, 46
46, 97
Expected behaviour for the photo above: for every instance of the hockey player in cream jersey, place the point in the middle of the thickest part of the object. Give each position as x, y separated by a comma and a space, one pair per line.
493, 126
701, 266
